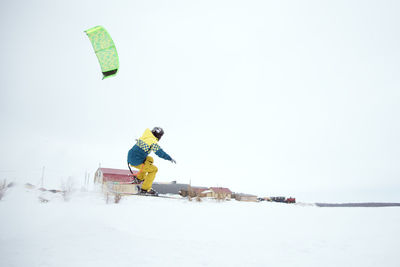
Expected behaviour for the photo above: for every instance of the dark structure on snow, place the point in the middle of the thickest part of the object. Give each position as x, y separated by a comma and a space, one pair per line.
169, 188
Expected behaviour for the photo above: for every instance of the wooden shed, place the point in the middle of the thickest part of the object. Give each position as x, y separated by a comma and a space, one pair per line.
116, 180
218, 192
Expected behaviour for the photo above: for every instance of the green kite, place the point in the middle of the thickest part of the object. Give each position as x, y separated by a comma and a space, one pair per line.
105, 50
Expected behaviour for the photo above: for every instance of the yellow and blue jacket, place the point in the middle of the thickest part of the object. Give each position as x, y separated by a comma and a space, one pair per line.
143, 147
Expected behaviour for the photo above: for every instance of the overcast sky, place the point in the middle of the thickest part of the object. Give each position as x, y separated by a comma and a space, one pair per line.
268, 97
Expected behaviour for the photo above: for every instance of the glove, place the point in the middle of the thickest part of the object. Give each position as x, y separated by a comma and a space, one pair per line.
173, 161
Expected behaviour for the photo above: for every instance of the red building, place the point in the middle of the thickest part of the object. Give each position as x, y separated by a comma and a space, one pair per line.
103, 175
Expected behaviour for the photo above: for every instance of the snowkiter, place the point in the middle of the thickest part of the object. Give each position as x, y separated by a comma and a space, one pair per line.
138, 157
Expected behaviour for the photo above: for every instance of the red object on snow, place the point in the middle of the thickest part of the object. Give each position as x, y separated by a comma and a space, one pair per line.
291, 200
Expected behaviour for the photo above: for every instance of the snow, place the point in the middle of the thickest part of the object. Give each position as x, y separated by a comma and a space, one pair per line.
146, 231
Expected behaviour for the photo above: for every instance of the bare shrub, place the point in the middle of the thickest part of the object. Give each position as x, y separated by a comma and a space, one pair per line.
107, 196
67, 188
220, 197
43, 200
3, 188
117, 198
190, 192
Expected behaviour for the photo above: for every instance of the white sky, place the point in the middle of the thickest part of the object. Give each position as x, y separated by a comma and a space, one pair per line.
267, 97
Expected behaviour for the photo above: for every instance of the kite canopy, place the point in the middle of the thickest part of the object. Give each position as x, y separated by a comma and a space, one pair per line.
105, 50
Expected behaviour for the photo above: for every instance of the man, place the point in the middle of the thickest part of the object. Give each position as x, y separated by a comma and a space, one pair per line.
138, 157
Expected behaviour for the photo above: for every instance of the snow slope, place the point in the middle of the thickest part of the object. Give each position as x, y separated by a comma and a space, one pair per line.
145, 231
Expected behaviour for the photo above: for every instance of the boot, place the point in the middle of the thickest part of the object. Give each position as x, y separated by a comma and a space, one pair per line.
150, 192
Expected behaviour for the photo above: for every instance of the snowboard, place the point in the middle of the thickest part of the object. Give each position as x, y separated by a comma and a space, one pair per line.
130, 189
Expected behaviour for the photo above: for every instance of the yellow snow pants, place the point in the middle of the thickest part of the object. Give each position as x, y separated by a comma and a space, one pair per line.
147, 172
